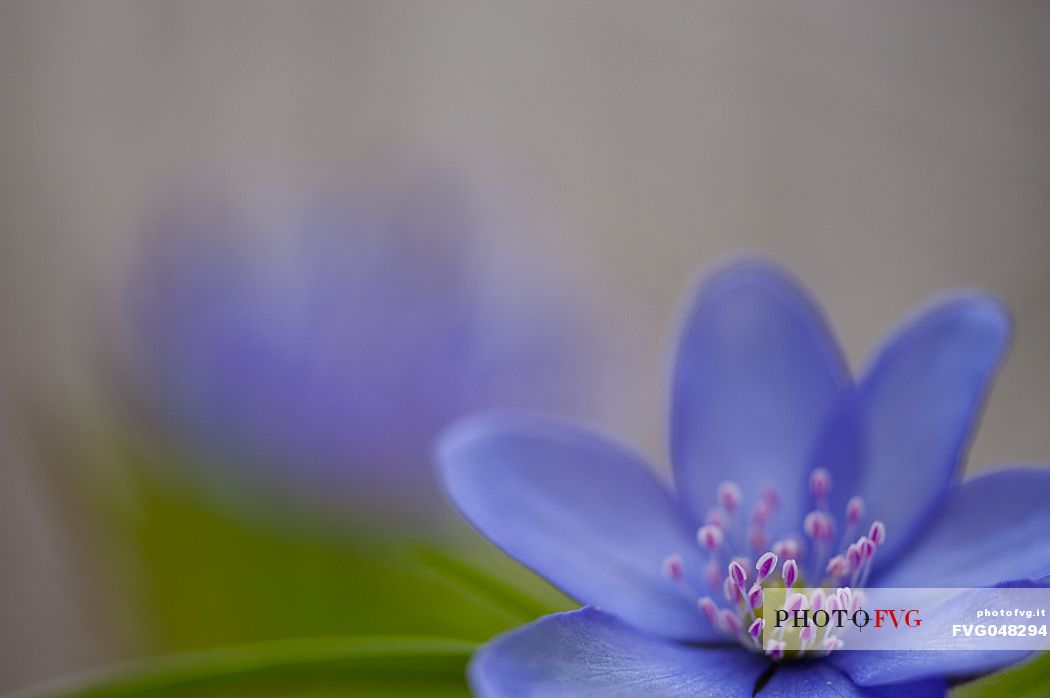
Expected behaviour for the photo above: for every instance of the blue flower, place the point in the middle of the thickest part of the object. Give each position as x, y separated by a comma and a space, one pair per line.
321, 349
778, 457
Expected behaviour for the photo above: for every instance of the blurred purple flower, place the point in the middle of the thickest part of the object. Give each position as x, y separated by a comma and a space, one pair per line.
329, 367
768, 432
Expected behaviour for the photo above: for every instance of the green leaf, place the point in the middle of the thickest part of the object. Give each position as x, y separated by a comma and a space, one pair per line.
487, 586
198, 570
1030, 680
343, 665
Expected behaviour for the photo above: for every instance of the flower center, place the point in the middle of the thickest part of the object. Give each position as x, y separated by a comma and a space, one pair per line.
832, 556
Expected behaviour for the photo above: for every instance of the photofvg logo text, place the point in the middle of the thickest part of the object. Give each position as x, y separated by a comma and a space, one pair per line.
839, 617
820, 620
816, 621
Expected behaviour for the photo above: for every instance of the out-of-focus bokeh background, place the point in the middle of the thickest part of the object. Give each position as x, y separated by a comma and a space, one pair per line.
253, 255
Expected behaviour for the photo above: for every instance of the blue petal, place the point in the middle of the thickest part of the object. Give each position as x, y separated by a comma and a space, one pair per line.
993, 528
587, 652
900, 439
824, 681
809, 679
756, 373
581, 511
887, 669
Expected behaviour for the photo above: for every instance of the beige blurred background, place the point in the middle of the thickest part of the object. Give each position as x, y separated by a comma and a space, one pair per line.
884, 150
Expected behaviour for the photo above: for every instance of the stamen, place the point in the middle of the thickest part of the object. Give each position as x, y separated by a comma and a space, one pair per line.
730, 623
854, 556
867, 552
755, 630
710, 536
877, 533
807, 634
708, 608
820, 484
766, 565
788, 548
844, 595
818, 526
755, 596
775, 649
867, 548
854, 510
731, 591
715, 517
729, 496
796, 602
790, 573
838, 566
737, 573
673, 567
757, 539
